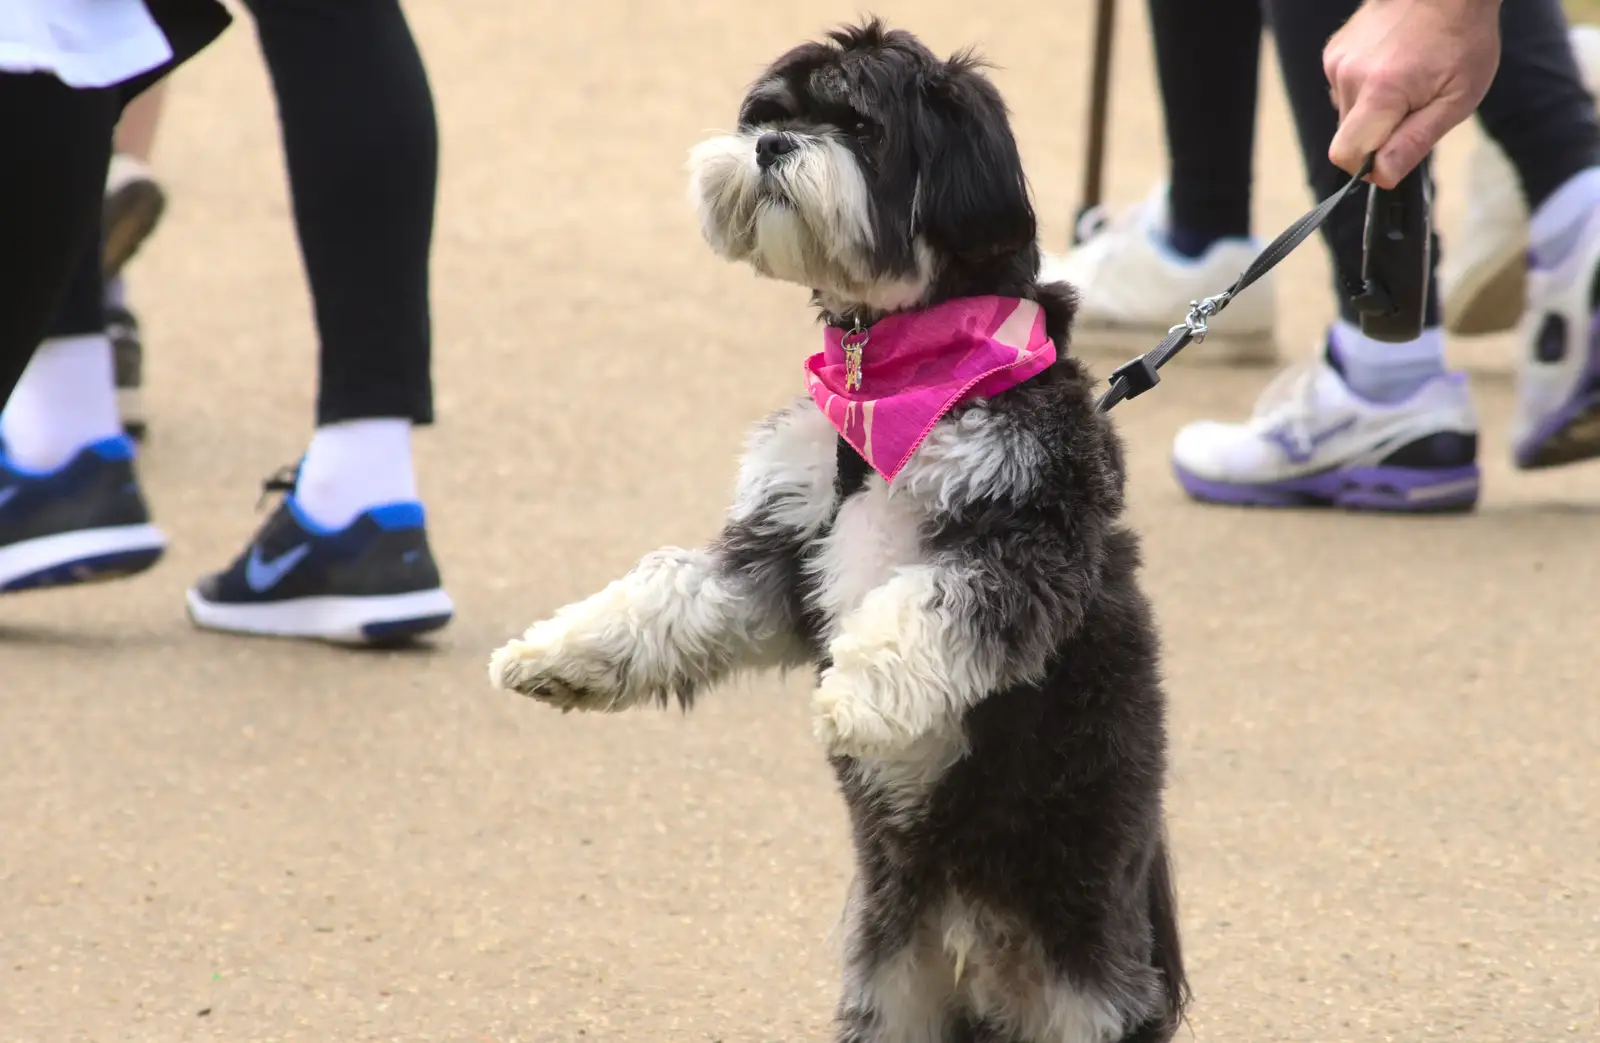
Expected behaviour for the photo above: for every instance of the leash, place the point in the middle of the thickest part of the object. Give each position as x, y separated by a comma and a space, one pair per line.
1136, 376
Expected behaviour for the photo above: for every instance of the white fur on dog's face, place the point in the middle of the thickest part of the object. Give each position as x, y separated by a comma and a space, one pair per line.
806, 219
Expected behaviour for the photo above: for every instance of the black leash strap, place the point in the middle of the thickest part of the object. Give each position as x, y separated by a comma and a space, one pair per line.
1136, 376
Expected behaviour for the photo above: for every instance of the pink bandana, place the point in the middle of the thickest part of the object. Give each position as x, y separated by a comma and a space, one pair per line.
916, 366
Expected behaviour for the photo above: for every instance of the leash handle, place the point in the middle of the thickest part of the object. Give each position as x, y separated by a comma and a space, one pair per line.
1136, 376
1395, 259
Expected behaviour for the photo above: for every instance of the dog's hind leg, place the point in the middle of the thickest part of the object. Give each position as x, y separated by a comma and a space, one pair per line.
899, 984
1166, 954
903, 997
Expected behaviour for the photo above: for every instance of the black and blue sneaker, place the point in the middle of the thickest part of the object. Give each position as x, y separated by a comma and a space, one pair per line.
83, 522
373, 582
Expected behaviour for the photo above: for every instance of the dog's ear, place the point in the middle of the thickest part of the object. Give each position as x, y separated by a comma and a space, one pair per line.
972, 198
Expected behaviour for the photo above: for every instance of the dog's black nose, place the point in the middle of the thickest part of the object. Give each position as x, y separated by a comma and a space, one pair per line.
773, 145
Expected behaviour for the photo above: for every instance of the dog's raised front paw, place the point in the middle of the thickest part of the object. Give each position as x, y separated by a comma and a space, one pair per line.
543, 665
516, 668
846, 719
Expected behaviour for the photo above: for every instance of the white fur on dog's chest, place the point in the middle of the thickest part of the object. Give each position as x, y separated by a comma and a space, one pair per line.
874, 534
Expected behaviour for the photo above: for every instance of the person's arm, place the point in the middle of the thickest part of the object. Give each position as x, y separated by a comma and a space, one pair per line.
1402, 73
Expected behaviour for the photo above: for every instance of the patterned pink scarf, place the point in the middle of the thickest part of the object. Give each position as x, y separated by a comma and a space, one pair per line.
914, 367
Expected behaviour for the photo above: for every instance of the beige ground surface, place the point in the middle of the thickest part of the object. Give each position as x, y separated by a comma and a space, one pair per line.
1385, 730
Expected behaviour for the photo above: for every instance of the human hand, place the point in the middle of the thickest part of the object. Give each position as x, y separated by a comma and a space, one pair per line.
1402, 73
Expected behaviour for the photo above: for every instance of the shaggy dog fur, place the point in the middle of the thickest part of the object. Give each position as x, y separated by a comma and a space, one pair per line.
988, 688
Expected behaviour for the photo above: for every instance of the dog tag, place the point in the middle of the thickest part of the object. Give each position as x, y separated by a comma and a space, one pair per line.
852, 343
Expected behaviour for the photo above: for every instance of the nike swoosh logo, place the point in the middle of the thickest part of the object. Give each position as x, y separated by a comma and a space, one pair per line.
263, 575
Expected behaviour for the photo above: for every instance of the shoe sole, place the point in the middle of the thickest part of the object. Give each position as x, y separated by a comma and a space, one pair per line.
132, 212
86, 556
1490, 297
387, 620
1572, 433
1392, 489
1253, 350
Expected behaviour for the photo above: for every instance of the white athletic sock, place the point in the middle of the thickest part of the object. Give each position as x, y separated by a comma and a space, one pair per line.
1383, 372
1554, 226
353, 467
116, 292
67, 398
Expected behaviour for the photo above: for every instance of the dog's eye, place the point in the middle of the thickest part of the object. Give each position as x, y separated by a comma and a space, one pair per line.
763, 110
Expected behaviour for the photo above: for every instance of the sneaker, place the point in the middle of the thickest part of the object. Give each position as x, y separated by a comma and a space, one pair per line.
372, 582
134, 203
1313, 442
83, 522
1133, 288
127, 354
1482, 276
1557, 418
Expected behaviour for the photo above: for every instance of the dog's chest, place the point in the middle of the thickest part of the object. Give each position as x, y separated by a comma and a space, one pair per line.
873, 534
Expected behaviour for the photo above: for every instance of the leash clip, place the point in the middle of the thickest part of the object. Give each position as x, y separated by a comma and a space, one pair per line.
1140, 375
1200, 312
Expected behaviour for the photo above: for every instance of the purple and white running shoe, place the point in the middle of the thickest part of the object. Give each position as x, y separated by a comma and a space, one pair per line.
1558, 379
1313, 442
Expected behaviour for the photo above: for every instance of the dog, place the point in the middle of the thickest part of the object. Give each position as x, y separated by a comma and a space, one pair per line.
988, 686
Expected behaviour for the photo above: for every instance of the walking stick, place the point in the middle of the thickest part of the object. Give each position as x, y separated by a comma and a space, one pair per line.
1099, 102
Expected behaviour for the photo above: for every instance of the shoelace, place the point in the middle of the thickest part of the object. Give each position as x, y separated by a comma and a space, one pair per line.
1098, 227
280, 481
1091, 223
1136, 376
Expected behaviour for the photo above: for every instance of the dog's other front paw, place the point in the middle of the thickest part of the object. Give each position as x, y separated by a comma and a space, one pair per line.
543, 665
847, 719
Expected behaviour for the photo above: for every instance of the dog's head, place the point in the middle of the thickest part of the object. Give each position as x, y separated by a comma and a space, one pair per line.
873, 172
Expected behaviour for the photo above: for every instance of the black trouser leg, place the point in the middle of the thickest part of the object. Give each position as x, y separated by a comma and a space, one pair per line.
1538, 109
49, 206
361, 144
1207, 60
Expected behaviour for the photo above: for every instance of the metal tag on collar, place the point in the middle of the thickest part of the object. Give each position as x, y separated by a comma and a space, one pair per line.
853, 341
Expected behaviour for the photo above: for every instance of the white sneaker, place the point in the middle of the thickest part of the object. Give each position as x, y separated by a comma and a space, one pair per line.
1558, 377
1482, 274
1313, 442
1133, 288
134, 203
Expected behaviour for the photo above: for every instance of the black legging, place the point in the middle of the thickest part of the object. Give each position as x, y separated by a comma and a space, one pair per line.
361, 142
49, 204
1538, 109
50, 198
1207, 60
361, 145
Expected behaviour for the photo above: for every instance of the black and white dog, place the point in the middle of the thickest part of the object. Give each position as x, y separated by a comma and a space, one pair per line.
988, 689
